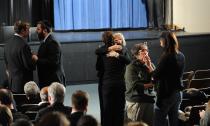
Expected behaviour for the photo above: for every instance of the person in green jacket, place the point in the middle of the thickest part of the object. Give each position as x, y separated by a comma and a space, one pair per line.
140, 94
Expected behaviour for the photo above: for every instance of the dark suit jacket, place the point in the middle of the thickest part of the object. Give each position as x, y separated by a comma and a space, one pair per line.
49, 64
74, 118
39, 107
56, 107
18, 59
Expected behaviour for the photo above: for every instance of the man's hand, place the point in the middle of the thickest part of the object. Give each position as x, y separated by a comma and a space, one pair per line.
35, 58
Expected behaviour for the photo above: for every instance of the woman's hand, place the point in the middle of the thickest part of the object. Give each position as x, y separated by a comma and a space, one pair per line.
112, 54
115, 48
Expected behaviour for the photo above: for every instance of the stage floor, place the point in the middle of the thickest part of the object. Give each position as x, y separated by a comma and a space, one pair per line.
94, 36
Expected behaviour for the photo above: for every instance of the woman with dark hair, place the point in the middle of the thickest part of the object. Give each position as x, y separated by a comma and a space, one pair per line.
168, 74
113, 60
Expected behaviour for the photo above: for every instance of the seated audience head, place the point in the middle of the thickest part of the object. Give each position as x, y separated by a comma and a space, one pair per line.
5, 116
22, 28
6, 98
79, 100
54, 119
87, 120
31, 90
119, 39
44, 94
107, 38
56, 93
137, 124
22, 122
43, 29
169, 42
139, 51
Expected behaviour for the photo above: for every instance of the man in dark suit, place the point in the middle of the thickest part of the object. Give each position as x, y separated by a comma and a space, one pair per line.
18, 58
49, 60
56, 93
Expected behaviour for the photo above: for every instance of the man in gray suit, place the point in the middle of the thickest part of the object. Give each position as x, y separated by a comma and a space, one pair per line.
18, 58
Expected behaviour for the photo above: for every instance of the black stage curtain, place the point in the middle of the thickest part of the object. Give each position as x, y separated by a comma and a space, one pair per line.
27, 10
42, 10
5, 12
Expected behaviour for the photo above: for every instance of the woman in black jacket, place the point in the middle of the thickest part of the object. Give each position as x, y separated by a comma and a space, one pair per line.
168, 74
114, 59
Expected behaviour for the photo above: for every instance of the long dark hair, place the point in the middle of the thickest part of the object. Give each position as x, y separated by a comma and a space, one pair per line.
171, 44
107, 38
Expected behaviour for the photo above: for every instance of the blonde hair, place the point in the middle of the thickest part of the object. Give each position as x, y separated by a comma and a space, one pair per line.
121, 36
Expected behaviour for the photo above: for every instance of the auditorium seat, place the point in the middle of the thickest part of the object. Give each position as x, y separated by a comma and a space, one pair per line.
200, 83
20, 99
186, 83
25, 107
194, 118
188, 75
31, 114
200, 74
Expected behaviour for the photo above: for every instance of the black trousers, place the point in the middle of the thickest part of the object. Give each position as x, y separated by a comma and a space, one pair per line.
155, 13
113, 104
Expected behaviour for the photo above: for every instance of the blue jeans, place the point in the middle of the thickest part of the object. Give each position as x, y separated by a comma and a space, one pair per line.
167, 107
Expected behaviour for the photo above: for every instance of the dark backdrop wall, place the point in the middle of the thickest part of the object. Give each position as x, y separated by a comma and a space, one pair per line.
42, 10
27, 10
79, 58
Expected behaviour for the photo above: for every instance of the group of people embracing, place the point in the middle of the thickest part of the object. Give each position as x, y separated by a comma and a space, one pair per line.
132, 88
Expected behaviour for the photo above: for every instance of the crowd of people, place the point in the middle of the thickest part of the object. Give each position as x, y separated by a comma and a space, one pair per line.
131, 88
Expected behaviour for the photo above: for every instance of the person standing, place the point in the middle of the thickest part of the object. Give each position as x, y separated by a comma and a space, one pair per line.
169, 74
49, 59
18, 58
155, 13
140, 95
114, 61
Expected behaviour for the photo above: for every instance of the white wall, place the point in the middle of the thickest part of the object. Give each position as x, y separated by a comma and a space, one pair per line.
194, 15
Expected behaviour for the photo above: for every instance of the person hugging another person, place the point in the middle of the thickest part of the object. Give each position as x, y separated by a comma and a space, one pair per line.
113, 60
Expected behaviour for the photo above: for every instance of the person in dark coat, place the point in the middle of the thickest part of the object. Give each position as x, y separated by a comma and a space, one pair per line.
18, 58
79, 101
56, 94
49, 58
114, 61
168, 74
6, 98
